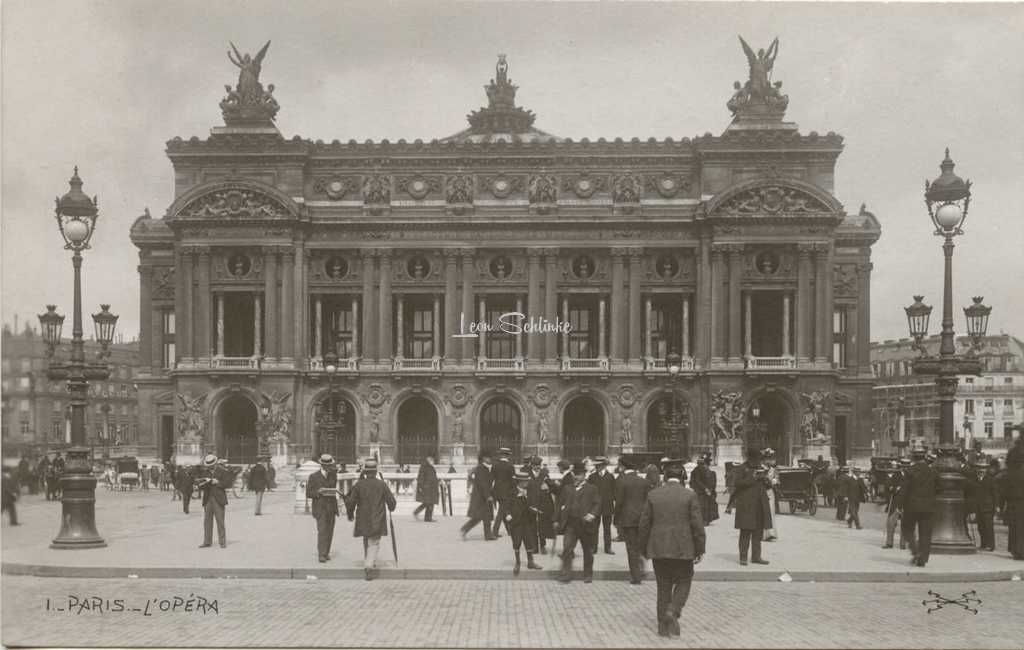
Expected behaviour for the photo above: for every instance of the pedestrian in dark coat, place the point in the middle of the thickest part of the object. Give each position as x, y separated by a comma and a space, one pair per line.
893, 507
186, 481
704, 482
258, 482
753, 512
983, 497
653, 475
521, 522
580, 508
672, 536
213, 486
631, 491
481, 500
856, 494
366, 505
1011, 492
918, 499
10, 493
605, 482
540, 496
503, 478
427, 489
322, 489
839, 494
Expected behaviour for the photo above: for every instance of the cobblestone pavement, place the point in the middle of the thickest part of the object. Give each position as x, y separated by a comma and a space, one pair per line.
411, 613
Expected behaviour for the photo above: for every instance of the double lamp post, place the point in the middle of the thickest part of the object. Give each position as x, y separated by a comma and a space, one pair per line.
76, 218
948, 198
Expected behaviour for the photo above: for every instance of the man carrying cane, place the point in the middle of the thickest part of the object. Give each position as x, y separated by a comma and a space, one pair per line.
367, 504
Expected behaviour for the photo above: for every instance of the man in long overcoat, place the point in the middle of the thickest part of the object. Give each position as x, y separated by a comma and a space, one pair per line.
481, 501
753, 512
1011, 492
704, 482
258, 482
631, 492
321, 489
426, 489
605, 482
213, 486
504, 488
672, 536
579, 508
366, 504
918, 500
185, 482
983, 497
894, 513
541, 499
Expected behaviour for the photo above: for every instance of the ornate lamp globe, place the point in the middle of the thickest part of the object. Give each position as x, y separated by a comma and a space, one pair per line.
948, 198
917, 318
76, 215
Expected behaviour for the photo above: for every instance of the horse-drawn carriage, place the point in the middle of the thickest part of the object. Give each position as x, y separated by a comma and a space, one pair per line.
797, 487
127, 475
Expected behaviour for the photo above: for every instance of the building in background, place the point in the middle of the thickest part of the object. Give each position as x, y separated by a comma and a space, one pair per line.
987, 408
36, 411
730, 251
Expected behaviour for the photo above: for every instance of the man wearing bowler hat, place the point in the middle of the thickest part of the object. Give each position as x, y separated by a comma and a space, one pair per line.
672, 536
983, 502
322, 488
481, 500
579, 510
365, 504
918, 500
605, 483
503, 475
213, 486
894, 485
631, 492
753, 512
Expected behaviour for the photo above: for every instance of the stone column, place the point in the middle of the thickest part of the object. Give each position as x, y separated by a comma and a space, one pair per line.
400, 324
270, 301
718, 333
565, 333
618, 306
468, 271
747, 322
355, 327
519, 333
156, 337
145, 316
437, 327
287, 304
257, 332
318, 325
183, 303
533, 300
823, 310
300, 303
686, 326
829, 301
735, 278
648, 313
483, 335
551, 301
804, 351
601, 352
863, 342
369, 327
703, 303
204, 299
785, 325
220, 324
452, 349
384, 322
635, 255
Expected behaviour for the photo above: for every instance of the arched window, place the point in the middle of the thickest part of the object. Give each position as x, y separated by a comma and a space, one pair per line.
501, 426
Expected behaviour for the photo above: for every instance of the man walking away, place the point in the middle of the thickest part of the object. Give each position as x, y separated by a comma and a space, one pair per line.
367, 505
186, 481
605, 482
322, 488
672, 536
481, 500
426, 489
521, 522
631, 492
840, 493
983, 503
214, 488
893, 509
920, 487
258, 481
580, 509
753, 512
504, 488
856, 494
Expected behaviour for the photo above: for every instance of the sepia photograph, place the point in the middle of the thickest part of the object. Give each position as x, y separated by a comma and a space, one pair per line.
706, 314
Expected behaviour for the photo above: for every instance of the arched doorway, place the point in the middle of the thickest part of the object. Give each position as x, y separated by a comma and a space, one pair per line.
583, 429
334, 425
769, 422
417, 430
668, 426
501, 426
238, 441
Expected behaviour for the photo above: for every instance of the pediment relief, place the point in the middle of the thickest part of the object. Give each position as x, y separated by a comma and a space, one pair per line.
234, 201
774, 197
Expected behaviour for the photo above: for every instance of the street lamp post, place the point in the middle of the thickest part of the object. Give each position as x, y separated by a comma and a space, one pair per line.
674, 423
947, 199
76, 217
329, 421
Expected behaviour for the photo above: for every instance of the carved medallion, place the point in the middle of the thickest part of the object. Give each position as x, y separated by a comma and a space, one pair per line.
336, 267
585, 185
767, 263
458, 396
542, 397
667, 184
500, 267
502, 186
335, 187
418, 186
376, 396
583, 267
667, 267
418, 267
627, 396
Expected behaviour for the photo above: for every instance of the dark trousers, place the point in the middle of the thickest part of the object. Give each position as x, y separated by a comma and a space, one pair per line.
921, 545
853, 513
840, 508
986, 529
12, 510
603, 522
325, 531
186, 498
429, 507
473, 521
213, 511
576, 530
751, 537
1015, 541
499, 518
633, 552
674, 579
259, 502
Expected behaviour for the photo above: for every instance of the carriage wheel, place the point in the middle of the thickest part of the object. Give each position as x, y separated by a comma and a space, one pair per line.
812, 506
792, 506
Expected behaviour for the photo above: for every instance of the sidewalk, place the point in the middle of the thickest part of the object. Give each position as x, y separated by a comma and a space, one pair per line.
148, 536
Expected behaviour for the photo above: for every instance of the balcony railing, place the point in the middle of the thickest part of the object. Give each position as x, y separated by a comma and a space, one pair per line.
351, 364
235, 362
405, 363
770, 363
995, 389
515, 364
570, 364
652, 364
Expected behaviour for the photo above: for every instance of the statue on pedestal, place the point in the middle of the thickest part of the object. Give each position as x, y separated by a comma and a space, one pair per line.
191, 421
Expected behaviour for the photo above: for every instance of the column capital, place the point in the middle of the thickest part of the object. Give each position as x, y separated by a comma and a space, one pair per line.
367, 254
619, 251
467, 253
287, 251
384, 253
822, 249
451, 254
635, 252
864, 269
731, 249
804, 250
535, 253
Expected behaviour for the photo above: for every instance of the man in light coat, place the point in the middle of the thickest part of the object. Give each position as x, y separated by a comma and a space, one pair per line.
365, 504
672, 536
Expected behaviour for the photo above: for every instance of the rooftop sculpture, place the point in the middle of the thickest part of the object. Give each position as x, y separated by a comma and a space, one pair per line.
759, 98
248, 104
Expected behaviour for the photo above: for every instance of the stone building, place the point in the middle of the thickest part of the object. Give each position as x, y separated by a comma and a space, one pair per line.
37, 412
411, 260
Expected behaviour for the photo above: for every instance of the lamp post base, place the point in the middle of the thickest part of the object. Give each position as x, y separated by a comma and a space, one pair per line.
78, 505
949, 531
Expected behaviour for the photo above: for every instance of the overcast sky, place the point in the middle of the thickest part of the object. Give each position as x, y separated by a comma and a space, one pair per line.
105, 84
